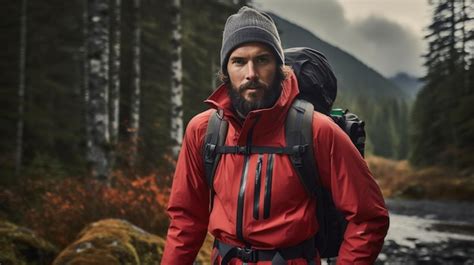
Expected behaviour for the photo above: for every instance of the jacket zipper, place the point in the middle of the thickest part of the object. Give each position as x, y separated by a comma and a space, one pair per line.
268, 187
243, 184
258, 177
240, 202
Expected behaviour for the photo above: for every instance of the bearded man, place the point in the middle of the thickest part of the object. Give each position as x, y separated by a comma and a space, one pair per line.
257, 209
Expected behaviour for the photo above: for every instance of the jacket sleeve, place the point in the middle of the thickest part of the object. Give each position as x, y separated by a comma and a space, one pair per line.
354, 191
188, 207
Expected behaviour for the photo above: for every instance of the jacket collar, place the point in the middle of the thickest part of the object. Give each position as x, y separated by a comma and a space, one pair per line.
268, 119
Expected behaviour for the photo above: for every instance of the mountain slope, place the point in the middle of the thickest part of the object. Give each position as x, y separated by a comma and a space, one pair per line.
374, 98
353, 76
411, 85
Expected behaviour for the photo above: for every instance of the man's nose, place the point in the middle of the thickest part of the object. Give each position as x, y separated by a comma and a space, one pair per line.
251, 71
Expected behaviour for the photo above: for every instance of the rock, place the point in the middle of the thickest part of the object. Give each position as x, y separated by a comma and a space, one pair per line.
113, 241
450, 252
21, 246
382, 257
204, 255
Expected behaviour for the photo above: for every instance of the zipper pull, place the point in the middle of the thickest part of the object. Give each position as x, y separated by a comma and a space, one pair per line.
258, 184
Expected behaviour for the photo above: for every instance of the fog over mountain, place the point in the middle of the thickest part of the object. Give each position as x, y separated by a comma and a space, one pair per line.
383, 44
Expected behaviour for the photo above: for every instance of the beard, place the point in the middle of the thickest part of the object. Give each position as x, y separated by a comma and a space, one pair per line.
243, 106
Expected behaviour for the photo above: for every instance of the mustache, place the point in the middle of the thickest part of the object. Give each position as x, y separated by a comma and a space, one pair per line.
252, 84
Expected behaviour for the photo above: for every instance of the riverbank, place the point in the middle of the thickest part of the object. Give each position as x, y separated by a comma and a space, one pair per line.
399, 179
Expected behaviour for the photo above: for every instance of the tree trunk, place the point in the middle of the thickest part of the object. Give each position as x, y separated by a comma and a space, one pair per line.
176, 82
135, 97
465, 64
85, 81
214, 75
115, 72
98, 59
452, 44
21, 89
115, 57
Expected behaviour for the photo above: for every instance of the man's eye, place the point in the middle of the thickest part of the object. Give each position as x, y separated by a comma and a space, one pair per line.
262, 60
238, 61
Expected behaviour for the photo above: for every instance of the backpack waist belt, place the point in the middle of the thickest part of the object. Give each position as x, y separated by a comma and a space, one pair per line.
305, 250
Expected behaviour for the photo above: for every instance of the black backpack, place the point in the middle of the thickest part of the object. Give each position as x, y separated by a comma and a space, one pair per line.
318, 85
298, 134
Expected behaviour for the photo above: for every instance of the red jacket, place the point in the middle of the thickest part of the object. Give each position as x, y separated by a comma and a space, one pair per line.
282, 216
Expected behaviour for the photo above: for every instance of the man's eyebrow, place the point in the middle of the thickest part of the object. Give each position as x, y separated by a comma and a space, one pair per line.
263, 54
236, 57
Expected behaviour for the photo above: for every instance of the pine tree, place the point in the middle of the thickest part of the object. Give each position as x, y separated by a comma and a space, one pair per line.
60, 136
437, 116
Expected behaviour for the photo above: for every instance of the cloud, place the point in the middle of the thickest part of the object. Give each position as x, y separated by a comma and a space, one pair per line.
382, 44
389, 46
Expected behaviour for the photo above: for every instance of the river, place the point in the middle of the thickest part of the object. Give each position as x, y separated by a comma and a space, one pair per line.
429, 232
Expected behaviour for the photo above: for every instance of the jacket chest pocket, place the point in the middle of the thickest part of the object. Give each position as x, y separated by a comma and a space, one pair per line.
263, 184
275, 186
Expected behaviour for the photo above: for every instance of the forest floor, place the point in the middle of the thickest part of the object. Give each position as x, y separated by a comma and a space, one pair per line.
426, 198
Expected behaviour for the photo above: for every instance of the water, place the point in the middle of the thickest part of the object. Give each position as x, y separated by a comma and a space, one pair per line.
448, 211
428, 232
408, 230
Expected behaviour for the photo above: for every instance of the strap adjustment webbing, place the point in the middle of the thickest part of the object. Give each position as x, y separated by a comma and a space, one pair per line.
306, 250
297, 150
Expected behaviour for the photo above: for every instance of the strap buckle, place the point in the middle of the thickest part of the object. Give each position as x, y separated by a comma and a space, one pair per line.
209, 152
298, 151
246, 254
245, 150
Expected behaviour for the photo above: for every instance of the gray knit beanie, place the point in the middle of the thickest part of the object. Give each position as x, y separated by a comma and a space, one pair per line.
249, 25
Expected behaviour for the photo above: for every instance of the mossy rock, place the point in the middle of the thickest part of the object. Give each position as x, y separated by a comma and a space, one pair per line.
110, 242
21, 246
204, 255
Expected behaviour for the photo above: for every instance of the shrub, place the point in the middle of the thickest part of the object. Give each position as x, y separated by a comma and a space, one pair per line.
71, 204
399, 179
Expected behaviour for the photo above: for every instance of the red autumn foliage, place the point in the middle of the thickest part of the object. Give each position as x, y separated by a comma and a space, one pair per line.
71, 204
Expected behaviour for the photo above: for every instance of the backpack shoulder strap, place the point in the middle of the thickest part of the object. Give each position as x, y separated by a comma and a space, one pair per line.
331, 222
299, 131
215, 136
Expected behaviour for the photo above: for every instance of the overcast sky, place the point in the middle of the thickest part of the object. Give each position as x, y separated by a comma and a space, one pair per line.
387, 35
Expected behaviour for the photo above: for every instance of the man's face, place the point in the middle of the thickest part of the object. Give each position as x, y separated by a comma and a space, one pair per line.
252, 72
